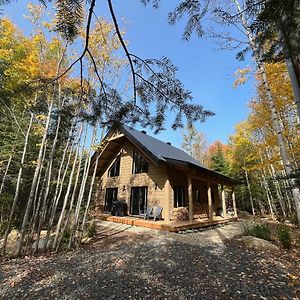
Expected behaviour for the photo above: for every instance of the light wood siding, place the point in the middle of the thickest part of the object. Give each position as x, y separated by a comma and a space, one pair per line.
157, 174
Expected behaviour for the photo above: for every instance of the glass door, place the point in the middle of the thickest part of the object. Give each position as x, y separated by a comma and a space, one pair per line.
138, 200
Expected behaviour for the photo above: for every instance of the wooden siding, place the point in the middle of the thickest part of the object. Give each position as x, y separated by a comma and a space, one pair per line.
155, 179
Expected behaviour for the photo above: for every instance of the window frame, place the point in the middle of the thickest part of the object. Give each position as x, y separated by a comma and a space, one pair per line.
116, 166
179, 191
138, 159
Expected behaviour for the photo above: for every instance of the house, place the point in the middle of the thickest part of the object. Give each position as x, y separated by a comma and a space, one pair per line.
144, 171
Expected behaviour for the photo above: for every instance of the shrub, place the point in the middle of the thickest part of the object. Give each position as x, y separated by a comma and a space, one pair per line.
293, 219
284, 236
261, 231
91, 229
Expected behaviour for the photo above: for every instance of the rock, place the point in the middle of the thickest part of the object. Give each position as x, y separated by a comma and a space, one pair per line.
42, 243
258, 244
11, 241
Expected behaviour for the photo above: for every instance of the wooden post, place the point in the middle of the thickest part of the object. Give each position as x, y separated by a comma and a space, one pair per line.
234, 203
210, 208
168, 200
224, 202
190, 192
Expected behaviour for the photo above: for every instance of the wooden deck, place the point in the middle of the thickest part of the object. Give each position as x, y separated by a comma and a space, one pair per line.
163, 225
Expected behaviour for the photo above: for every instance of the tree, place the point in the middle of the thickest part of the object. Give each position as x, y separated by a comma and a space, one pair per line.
217, 160
195, 144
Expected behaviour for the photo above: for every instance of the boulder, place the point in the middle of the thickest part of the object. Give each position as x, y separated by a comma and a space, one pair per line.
42, 243
11, 241
259, 244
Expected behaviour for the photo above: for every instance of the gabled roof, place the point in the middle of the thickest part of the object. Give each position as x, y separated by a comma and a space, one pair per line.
161, 152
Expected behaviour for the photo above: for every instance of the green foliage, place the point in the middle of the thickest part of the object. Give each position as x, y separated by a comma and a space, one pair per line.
284, 236
261, 231
219, 163
66, 237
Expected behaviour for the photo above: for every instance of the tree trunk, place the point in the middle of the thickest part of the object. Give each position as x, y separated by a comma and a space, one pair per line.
276, 125
59, 185
34, 180
250, 192
89, 200
73, 195
5, 174
66, 195
17, 191
82, 188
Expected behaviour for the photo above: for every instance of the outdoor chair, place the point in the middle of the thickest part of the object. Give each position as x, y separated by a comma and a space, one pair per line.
157, 213
154, 212
148, 213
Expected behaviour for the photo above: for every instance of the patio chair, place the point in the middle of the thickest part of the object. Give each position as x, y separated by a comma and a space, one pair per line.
148, 213
157, 213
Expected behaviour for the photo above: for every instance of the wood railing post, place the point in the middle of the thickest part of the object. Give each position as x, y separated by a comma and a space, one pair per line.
168, 200
210, 208
224, 202
190, 194
234, 203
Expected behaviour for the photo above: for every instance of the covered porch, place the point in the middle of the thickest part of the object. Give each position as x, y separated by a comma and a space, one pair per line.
206, 195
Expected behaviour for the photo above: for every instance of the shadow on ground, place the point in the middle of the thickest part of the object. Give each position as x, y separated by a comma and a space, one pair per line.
149, 265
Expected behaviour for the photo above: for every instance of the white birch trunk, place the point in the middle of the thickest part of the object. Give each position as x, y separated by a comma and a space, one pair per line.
34, 180
274, 115
17, 191
61, 217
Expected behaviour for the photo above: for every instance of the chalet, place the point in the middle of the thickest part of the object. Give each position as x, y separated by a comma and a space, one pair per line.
143, 171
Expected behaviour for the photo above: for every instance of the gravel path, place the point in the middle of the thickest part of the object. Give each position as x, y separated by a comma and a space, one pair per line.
136, 263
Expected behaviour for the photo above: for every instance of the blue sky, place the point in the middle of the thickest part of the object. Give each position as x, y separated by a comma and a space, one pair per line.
207, 73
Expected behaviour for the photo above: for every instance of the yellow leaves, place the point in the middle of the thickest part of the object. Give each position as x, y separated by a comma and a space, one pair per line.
41, 117
241, 76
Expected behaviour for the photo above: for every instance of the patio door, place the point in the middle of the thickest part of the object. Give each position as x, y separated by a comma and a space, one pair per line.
111, 195
138, 200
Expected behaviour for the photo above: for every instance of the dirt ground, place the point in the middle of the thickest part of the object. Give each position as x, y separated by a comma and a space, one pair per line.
136, 263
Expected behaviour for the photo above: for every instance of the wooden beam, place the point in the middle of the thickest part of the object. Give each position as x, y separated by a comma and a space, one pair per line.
224, 202
210, 207
190, 192
234, 203
115, 137
168, 200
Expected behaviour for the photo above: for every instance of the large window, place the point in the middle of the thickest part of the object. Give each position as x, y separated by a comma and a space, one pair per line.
111, 195
114, 170
138, 200
140, 165
179, 196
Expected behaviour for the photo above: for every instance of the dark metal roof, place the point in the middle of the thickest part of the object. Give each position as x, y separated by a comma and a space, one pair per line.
163, 152
159, 149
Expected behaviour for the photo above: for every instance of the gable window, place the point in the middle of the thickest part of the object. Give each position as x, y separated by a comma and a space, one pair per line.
140, 165
179, 196
114, 170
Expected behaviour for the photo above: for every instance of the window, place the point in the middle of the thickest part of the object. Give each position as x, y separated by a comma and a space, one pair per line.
197, 196
179, 196
138, 200
111, 195
114, 170
139, 163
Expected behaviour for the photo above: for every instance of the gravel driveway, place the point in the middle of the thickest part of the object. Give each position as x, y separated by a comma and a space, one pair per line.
136, 263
